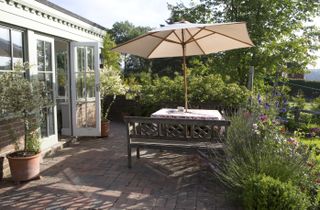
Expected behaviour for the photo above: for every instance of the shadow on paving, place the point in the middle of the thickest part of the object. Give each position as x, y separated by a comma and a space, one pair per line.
93, 173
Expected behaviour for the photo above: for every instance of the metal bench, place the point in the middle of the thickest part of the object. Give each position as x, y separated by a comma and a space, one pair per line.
187, 135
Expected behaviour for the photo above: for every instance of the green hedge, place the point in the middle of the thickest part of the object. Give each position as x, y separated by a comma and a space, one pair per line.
310, 90
157, 92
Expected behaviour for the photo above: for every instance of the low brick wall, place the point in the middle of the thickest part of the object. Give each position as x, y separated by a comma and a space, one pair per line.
10, 129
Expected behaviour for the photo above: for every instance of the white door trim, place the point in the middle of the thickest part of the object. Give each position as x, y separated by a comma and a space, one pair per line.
88, 131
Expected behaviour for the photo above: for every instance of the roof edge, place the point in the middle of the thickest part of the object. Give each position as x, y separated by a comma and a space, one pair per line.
67, 12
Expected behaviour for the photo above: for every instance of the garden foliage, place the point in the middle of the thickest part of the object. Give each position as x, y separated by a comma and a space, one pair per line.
264, 192
310, 89
257, 147
158, 92
122, 32
277, 28
111, 83
26, 99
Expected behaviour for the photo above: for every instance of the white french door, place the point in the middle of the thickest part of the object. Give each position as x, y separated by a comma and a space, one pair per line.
85, 89
45, 71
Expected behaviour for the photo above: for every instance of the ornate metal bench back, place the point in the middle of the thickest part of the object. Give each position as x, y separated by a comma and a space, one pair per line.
176, 129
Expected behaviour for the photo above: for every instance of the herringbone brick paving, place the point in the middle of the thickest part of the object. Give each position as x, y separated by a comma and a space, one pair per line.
93, 174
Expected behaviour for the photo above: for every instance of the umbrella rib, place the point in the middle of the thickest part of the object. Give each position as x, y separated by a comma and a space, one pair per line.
202, 37
192, 38
230, 37
132, 40
168, 40
163, 39
177, 36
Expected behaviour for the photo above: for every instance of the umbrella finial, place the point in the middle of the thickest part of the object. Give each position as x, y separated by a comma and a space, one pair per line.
171, 21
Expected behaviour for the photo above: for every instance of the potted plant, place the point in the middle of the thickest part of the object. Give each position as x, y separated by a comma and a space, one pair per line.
24, 99
111, 84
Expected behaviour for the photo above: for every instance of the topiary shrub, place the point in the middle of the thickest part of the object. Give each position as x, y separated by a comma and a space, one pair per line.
264, 192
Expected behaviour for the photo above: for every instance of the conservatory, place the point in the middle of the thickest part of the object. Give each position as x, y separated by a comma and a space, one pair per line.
64, 52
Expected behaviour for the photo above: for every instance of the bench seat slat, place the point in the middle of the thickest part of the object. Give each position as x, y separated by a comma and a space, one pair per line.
170, 143
212, 140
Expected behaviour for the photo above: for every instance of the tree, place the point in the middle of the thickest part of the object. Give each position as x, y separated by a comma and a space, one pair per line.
25, 99
111, 59
122, 32
277, 28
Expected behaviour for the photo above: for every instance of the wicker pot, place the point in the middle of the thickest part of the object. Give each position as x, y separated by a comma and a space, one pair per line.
24, 168
105, 127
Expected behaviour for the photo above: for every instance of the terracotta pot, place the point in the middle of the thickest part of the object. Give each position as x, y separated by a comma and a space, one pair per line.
24, 168
105, 127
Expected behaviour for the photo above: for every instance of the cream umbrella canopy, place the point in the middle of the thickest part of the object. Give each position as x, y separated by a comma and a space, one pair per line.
184, 39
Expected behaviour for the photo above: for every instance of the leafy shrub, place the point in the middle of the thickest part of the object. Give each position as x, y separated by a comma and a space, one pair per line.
249, 151
315, 105
255, 146
318, 200
299, 100
305, 117
157, 92
212, 88
264, 192
292, 125
111, 83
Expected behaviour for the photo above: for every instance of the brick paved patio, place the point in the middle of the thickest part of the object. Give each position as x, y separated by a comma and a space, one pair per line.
93, 174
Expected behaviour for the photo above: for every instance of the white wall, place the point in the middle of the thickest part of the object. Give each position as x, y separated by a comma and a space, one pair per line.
41, 18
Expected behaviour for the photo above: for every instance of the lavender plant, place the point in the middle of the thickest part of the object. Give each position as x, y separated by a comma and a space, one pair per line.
256, 145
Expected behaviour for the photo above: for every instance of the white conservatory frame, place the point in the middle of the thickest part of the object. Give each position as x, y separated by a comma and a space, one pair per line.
43, 19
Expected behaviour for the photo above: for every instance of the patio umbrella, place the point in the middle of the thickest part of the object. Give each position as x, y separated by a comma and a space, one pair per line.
184, 39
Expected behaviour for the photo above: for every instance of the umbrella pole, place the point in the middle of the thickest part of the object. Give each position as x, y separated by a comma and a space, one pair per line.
185, 78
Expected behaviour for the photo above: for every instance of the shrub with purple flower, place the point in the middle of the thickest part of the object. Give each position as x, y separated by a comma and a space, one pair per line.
315, 131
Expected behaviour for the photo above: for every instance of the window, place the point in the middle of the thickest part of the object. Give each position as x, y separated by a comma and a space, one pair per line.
45, 75
11, 48
62, 69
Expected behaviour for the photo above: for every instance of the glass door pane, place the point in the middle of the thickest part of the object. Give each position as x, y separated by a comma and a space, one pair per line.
85, 91
45, 75
61, 49
86, 104
5, 49
17, 47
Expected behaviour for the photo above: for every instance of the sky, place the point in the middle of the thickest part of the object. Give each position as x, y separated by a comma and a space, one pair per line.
139, 12
106, 12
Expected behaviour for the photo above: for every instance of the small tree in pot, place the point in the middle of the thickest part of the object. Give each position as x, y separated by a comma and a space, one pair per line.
112, 84
23, 99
